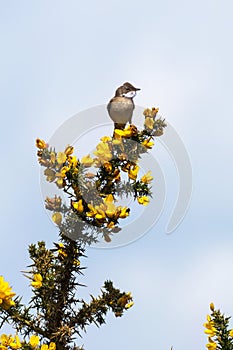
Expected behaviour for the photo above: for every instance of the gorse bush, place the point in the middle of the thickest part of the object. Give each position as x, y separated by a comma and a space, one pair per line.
55, 317
94, 185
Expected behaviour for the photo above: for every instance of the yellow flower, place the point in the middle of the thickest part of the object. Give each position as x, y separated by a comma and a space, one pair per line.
133, 172
5, 341
149, 123
61, 176
37, 280
15, 344
57, 218
211, 345
130, 304
209, 325
92, 211
40, 144
52, 346
87, 161
61, 250
50, 175
105, 138
73, 161
44, 347
107, 210
124, 212
211, 332
231, 333
128, 132
100, 213
110, 210
147, 178
78, 206
6, 294
69, 150
34, 341
119, 132
123, 133
109, 198
7, 304
64, 170
60, 182
103, 152
61, 158
144, 200
148, 144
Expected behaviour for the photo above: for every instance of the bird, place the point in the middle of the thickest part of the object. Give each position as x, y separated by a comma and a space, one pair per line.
120, 107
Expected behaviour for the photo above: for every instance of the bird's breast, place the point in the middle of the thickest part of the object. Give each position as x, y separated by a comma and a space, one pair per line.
120, 109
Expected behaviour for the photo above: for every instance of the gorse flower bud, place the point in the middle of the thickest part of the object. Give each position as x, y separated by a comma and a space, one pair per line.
69, 150
37, 280
212, 306
40, 144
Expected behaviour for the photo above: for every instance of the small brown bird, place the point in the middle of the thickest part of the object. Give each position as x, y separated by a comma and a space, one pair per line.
120, 107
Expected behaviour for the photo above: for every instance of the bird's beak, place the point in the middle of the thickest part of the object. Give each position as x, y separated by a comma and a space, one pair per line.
136, 89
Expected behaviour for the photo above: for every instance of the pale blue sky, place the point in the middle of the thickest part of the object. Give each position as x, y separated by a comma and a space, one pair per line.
58, 58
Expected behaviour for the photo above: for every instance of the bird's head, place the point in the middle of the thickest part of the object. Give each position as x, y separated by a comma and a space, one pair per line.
127, 90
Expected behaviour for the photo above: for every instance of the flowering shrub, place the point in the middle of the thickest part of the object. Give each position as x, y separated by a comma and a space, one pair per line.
217, 330
55, 316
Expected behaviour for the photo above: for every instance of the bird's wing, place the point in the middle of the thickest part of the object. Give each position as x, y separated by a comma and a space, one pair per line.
108, 105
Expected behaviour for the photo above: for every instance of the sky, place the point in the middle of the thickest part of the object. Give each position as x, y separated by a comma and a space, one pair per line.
60, 58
